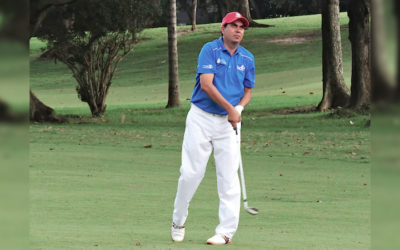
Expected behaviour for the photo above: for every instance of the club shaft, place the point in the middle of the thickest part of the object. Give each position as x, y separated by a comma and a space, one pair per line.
244, 195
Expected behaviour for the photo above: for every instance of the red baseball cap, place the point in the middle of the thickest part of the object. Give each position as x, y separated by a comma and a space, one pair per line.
232, 17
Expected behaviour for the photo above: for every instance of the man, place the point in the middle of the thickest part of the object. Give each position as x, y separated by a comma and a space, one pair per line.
224, 82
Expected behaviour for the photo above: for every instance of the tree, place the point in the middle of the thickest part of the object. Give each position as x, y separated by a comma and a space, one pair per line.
173, 80
13, 19
40, 112
397, 16
13, 31
381, 84
190, 7
141, 14
335, 92
241, 6
359, 36
91, 38
194, 15
39, 9
93, 62
244, 9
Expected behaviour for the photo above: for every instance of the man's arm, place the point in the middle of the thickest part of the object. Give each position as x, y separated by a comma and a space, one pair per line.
244, 101
206, 82
246, 97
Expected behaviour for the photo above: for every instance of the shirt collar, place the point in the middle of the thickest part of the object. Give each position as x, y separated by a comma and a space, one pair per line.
221, 43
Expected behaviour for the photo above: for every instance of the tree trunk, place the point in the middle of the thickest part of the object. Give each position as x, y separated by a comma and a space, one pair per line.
133, 30
4, 111
134, 35
359, 36
397, 16
256, 9
221, 9
8, 115
173, 83
244, 9
335, 92
381, 84
194, 15
97, 108
40, 112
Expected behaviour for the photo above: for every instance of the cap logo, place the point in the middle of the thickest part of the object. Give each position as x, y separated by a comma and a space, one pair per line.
238, 14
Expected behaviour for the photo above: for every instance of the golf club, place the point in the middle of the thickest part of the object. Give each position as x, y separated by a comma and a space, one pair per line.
250, 210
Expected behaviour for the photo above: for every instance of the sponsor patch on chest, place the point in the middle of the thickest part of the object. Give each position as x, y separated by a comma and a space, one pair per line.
241, 67
221, 61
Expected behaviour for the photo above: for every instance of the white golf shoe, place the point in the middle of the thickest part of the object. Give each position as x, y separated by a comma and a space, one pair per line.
219, 239
177, 233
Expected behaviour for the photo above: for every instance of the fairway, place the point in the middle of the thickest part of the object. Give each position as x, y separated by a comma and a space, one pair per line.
110, 182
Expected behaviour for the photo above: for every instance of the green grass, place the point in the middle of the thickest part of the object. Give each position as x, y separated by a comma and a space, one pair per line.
96, 184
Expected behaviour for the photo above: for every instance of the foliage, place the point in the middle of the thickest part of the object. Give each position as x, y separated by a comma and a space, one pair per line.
275, 8
13, 19
91, 38
214, 10
161, 19
295, 67
93, 62
97, 17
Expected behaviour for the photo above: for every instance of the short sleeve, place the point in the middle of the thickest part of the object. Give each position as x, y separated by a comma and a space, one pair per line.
206, 62
249, 78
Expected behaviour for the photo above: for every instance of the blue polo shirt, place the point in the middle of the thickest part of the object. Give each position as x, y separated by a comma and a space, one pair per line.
231, 75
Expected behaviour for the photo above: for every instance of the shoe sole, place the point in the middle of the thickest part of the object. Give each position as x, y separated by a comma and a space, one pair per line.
215, 244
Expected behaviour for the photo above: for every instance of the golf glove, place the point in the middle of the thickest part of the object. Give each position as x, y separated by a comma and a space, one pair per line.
239, 109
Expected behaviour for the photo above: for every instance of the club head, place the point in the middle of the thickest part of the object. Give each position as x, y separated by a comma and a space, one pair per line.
252, 210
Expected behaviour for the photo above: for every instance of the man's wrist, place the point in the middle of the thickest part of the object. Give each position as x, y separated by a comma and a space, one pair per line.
239, 108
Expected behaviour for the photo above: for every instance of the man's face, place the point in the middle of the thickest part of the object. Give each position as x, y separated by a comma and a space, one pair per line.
233, 32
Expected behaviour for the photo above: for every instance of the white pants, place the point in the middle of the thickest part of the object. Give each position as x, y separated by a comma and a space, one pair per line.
205, 131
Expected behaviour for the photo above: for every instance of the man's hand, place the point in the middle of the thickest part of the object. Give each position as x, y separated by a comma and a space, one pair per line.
234, 113
234, 117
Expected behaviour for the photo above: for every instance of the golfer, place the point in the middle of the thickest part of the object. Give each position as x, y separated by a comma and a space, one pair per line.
224, 82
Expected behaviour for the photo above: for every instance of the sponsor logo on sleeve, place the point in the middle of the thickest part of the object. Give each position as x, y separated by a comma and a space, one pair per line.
209, 66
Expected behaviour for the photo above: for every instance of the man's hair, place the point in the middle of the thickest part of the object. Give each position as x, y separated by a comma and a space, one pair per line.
224, 28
